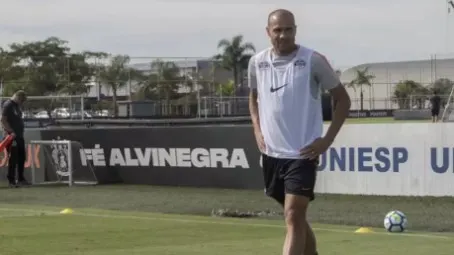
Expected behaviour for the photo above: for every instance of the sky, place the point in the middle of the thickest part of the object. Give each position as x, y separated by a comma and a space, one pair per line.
347, 32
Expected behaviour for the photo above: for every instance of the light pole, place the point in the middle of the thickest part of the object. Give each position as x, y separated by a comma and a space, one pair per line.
450, 9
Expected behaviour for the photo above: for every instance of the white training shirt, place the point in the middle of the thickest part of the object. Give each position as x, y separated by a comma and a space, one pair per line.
289, 98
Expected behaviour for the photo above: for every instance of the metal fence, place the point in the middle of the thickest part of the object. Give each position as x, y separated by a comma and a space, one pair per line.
67, 107
381, 93
224, 106
423, 101
187, 85
409, 102
126, 75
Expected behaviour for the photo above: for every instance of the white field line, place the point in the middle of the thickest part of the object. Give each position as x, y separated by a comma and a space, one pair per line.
25, 215
201, 221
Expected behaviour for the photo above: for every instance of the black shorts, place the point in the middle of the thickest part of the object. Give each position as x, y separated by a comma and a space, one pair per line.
435, 112
289, 176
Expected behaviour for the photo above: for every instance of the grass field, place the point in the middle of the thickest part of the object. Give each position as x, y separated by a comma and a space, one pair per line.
136, 220
31, 230
124, 219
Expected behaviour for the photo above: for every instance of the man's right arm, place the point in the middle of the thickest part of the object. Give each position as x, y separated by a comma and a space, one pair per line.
6, 113
253, 106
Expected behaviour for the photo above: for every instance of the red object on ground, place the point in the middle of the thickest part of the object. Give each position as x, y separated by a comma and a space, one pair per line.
6, 142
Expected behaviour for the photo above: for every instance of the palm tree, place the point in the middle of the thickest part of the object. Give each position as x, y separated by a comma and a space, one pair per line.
116, 76
363, 78
97, 67
235, 56
163, 81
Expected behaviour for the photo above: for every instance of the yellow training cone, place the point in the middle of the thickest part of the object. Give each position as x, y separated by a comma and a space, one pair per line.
67, 211
364, 230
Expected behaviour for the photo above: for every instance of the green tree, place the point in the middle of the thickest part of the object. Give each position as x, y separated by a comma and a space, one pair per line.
235, 56
49, 67
227, 89
163, 81
115, 76
80, 73
442, 86
8, 71
6, 63
403, 92
46, 67
45, 62
96, 61
363, 78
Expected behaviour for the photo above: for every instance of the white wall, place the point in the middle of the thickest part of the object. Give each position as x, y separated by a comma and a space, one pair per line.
390, 159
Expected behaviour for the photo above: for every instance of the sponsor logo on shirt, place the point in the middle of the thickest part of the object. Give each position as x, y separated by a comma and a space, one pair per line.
264, 65
300, 63
272, 90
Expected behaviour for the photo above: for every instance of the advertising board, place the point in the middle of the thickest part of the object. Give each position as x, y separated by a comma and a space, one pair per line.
412, 159
390, 159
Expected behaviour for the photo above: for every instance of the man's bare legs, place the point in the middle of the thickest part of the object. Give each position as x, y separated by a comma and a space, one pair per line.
311, 242
298, 230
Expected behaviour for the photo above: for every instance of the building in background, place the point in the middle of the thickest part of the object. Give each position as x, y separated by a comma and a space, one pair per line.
387, 75
208, 74
376, 97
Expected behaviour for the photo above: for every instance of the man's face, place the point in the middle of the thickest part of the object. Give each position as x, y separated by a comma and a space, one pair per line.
282, 30
21, 99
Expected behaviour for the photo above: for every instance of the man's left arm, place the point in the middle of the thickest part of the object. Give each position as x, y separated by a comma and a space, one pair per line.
7, 113
329, 80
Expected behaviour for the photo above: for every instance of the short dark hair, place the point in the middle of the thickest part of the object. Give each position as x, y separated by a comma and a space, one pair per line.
20, 94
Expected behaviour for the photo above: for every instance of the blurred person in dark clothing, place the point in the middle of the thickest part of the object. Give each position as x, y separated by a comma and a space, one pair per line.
13, 124
435, 102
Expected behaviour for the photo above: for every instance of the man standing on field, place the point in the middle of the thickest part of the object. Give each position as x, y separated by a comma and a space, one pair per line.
435, 102
13, 124
286, 82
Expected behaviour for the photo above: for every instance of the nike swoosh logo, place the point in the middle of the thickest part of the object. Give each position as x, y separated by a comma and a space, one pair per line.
272, 90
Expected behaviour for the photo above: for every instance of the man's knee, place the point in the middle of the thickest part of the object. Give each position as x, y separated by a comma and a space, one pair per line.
12, 156
294, 218
295, 210
21, 155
